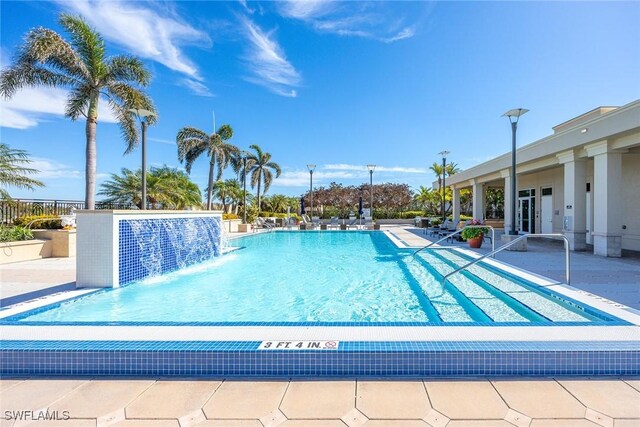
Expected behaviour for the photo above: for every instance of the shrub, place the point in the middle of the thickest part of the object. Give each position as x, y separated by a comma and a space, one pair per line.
230, 216
14, 234
474, 233
39, 221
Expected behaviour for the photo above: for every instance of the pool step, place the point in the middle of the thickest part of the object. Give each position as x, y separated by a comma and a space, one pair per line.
475, 294
548, 306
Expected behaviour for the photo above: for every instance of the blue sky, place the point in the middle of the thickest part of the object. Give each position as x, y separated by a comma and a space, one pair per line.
337, 84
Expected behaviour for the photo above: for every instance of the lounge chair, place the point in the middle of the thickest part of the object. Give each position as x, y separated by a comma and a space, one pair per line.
436, 229
334, 224
353, 223
315, 221
261, 223
368, 223
452, 227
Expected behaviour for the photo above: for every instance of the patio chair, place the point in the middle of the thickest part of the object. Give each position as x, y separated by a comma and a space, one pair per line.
452, 227
315, 221
368, 223
334, 224
436, 229
353, 223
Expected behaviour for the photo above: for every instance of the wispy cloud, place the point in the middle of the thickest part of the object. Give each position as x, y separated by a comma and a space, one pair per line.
373, 20
391, 169
51, 169
267, 62
163, 141
155, 34
342, 172
196, 87
30, 106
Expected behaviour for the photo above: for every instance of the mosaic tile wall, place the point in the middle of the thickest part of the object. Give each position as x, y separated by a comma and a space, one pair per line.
150, 247
352, 359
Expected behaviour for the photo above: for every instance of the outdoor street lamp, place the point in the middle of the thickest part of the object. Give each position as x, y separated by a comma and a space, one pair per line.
244, 186
514, 115
444, 186
371, 169
311, 169
143, 116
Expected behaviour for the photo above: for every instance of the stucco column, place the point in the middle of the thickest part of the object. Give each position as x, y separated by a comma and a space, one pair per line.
456, 203
574, 224
477, 190
607, 184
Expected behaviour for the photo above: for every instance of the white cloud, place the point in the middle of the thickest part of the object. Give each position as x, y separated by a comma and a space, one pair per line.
390, 169
152, 34
30, 106
196, 87
268, 63
51, 169
163, 141
373, 20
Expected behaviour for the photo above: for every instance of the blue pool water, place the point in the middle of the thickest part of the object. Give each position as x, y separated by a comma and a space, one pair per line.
323, 277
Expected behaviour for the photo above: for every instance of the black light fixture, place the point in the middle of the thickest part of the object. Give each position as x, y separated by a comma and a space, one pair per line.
143, 116
514, 116
371, 169
444, 173
311, 168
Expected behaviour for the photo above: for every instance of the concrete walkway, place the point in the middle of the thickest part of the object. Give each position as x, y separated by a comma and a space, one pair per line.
546, 403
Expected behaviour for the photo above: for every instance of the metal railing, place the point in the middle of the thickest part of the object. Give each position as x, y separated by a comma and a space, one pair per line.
513, 242
16, 208
493, 237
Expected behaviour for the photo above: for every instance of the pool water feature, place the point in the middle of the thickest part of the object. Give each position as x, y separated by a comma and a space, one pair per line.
322, 278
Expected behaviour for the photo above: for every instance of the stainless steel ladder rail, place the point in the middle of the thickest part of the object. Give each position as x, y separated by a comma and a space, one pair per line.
493, 237
511, 243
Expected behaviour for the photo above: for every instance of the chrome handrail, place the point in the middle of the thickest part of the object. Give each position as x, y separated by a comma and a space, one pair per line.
493, 237
501, 248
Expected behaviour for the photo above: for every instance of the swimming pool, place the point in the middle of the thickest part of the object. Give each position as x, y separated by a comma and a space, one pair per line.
347, 277
323, 304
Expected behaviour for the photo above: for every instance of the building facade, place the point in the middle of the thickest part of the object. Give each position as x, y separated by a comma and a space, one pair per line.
582, 181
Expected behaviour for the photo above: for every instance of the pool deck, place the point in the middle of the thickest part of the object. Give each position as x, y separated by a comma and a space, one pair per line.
540, 402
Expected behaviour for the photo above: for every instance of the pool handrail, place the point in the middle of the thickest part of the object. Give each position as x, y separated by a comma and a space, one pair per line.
493, 237
513, 242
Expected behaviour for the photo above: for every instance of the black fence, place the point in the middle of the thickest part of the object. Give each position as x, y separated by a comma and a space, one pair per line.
16, 208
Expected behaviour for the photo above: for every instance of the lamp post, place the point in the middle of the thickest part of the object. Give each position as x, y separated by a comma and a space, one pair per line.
244, 187
143, 116
514, 116
311, 169
444, 186
371, 169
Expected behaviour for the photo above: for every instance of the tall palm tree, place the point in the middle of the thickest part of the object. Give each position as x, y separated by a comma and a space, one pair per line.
81, 66
14, 170
193, 142
259, 166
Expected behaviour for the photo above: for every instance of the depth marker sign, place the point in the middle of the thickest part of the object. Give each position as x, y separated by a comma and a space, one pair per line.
299, 345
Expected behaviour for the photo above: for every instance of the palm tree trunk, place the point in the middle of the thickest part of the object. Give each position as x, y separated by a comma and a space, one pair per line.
212, 165
90, 164
259, 180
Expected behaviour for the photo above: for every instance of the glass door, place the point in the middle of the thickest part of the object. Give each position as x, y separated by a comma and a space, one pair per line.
525, 214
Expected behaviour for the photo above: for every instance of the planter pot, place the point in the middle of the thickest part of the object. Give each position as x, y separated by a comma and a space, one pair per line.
343, 226
475, 243
244, 228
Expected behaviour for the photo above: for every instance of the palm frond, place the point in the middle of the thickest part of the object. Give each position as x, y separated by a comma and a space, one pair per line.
275, 167
47, 48
77, 102
87, 43
125, 68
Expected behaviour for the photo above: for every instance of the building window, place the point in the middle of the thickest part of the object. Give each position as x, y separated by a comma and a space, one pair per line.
547, 191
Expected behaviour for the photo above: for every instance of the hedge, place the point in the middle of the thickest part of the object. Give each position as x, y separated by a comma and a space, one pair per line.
39, 221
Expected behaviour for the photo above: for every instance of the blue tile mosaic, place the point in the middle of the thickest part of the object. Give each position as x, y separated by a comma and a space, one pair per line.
415, 359
155, 246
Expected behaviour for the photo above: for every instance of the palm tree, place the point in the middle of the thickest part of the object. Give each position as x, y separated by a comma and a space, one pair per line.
193, 142
450, 169
259, 166
227, 191
81, 66
167, 188
14, 170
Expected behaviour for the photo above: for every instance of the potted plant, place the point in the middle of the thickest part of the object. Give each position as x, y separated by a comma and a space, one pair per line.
474, 235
